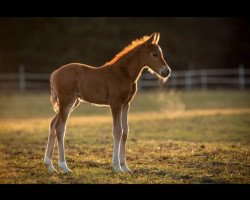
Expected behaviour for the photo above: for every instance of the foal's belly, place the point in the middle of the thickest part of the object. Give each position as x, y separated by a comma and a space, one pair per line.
94, 101
94, 93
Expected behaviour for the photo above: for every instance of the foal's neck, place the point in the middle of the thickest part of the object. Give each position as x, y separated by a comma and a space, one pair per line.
130, 66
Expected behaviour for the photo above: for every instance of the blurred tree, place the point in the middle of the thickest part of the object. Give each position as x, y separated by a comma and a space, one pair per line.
43, 44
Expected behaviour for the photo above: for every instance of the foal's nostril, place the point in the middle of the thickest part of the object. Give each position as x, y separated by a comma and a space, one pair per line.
165, 72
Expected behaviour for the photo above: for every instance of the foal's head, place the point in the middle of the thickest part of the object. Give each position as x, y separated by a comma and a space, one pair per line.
153, 57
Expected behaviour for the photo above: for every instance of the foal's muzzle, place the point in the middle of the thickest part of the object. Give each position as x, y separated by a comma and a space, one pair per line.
165, 71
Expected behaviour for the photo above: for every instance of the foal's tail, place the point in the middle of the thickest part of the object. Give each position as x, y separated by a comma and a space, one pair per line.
53, 96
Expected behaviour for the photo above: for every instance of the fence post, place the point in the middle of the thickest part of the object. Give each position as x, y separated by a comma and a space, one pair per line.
241, 77
173, 81
21, 78
204, 80
188, 80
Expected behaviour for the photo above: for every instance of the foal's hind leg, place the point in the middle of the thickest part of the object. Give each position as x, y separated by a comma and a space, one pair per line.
50, 146
65, 107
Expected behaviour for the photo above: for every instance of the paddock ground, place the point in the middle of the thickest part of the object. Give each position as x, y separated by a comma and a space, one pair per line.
175, 137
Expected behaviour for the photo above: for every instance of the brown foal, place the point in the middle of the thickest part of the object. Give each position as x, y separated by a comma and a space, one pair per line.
114, 84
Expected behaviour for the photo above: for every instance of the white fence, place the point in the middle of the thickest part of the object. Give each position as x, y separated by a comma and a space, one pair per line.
237, 78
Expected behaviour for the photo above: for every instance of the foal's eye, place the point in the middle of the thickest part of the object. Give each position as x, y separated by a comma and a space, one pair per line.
155, 54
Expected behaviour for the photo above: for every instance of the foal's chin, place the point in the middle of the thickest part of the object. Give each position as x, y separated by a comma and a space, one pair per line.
161, 78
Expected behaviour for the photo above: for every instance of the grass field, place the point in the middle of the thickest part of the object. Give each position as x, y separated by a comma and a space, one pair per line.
175, 137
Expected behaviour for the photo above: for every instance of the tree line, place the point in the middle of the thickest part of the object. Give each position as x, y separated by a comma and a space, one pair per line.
43, 44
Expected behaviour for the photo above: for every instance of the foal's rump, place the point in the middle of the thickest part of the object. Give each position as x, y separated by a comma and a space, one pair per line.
76, 80
63, 84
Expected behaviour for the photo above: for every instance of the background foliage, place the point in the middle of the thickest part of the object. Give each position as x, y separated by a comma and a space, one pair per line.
43, 44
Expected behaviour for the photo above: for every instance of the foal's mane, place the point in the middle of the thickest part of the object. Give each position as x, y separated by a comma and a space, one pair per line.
128, 49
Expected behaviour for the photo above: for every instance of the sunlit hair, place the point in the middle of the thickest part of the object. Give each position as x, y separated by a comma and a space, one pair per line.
128, 48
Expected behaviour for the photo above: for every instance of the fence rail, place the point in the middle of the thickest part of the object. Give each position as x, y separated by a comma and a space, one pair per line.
238, 78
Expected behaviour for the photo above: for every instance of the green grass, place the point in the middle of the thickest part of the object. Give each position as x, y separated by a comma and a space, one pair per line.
175, 137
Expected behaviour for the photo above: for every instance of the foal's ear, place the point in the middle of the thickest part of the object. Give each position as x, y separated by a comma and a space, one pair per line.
151, 39
157, 38
154, 38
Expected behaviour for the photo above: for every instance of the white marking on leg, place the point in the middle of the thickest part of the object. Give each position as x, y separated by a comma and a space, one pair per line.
123, 162
116, 160
63, 165
61, 156
49, 164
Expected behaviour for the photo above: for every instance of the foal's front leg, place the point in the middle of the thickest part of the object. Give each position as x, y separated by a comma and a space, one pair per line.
125, 130
117, 133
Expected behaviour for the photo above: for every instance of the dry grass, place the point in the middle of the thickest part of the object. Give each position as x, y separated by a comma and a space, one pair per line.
190, 137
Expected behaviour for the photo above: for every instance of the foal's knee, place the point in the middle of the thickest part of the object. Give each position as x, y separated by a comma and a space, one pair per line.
117, 132
124, 136
59, 132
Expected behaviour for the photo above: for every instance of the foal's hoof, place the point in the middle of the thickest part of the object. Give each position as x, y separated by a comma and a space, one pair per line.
64, 168
51, 168
126, 169
118, 169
